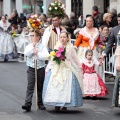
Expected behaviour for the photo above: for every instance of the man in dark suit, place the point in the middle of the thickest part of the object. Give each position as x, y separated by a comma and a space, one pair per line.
112, 38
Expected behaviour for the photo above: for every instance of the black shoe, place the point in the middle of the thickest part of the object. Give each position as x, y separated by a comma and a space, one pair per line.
27, 108
5, 60
94, 98
41, 107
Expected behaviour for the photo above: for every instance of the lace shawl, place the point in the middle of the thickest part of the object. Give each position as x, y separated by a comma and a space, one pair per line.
91, 39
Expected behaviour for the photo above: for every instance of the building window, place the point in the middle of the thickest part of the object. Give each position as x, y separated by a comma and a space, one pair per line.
33, 6
1, 7
106, 5
77, 7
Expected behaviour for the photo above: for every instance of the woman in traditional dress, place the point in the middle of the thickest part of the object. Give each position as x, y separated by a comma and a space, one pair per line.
4, 23
62, 85
88, 38
7, 46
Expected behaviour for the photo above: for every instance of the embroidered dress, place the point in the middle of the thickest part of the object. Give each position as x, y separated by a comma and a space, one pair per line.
7, 46
92, 83
62, 85
86, 41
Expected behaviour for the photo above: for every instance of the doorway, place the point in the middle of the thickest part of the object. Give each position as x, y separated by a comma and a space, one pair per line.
106, 5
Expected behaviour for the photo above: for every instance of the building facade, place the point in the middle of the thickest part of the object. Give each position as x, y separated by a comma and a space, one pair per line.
80, 7
22, 6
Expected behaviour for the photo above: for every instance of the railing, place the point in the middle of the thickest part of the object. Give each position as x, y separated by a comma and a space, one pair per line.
21, 41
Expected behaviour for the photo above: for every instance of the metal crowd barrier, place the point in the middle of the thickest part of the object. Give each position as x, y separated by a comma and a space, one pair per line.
21, 41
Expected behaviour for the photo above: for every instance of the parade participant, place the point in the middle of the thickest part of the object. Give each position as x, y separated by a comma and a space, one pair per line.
56, 10
62, 85
35, 48
116, 91
8, 48
88, 37
4, 23
92, 83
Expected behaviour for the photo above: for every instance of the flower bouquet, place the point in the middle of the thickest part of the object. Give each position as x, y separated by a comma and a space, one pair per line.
34, 22
102, 43
58, 55
57, 8
13, 34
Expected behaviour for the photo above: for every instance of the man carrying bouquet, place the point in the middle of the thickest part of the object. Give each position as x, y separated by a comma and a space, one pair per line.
56, 10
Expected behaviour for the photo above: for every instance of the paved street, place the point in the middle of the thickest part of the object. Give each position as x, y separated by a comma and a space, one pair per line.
12, 94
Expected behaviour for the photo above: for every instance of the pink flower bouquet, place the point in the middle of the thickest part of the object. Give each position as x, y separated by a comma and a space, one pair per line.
58, 55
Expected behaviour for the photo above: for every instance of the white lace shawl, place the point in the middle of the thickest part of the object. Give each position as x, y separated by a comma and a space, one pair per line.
93, 62
4, 27
92, 40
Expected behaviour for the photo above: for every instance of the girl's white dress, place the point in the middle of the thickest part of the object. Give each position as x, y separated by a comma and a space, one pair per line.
63, 83
7, 46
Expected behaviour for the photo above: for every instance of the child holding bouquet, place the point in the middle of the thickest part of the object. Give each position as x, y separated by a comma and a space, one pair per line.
103, 38
102, 44
62, 85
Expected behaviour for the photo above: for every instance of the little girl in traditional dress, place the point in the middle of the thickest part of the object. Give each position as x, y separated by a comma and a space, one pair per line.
92, 83
62, 85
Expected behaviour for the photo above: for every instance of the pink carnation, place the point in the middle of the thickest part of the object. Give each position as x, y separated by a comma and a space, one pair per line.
100, 46
58, 54
61, 49
62, 57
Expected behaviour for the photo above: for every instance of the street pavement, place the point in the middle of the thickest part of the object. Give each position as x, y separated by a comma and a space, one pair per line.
13, 83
